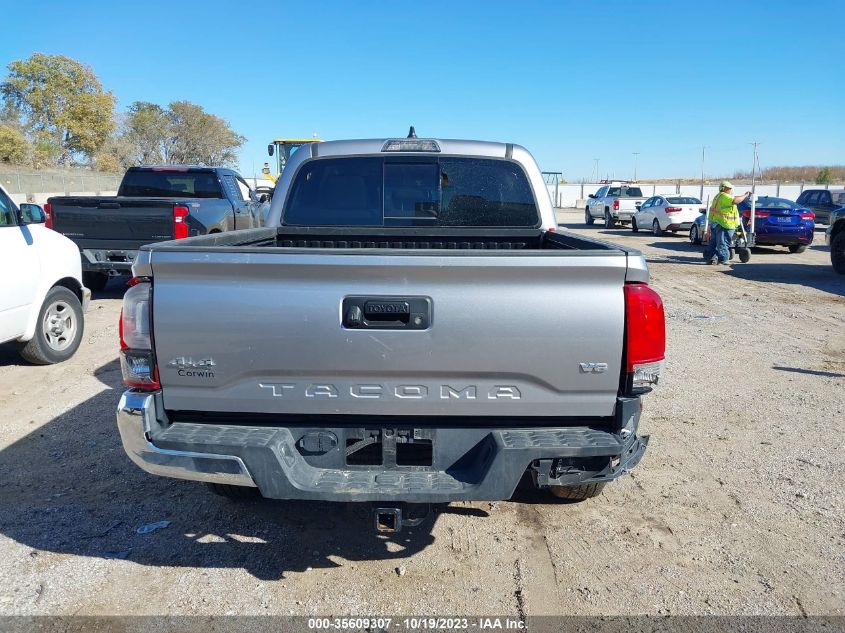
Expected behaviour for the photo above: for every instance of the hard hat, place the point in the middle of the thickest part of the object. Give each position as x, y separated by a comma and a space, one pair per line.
725, 185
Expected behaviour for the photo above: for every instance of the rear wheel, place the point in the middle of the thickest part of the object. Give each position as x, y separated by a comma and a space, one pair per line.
634, 226
608, 220
58, 331
95, 281
744, 254
236, 493
655, 228
837, 252
797, 248
578, 493
588, 219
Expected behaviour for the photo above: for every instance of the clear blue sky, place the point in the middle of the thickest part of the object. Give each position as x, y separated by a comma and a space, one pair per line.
572, 81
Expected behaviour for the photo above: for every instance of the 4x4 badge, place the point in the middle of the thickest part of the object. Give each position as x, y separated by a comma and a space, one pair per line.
593, 368
181, 362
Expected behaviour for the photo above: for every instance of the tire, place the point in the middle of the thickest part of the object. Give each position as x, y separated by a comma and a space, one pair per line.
634, 226
58, 330
235, 493
744, 254
797, 248
608, 220
655, 228
693, 235
731, 253
837, 252
588, 219
95, 281
579, 492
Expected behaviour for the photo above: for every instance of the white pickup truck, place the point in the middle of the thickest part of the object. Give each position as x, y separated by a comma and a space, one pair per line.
42, 299
616, 202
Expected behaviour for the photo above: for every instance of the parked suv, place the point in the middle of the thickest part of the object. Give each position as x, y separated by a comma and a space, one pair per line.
822, 202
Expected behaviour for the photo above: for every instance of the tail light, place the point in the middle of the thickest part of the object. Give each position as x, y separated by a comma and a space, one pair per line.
645, 337
757, 214
48, 211
673, 209
180, 222
808, 215
616, 205
137, 360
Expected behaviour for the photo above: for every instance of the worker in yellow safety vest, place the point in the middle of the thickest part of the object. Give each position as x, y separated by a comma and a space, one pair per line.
723, 222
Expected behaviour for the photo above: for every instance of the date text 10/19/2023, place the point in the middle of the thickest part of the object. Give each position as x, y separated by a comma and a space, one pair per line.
417, 624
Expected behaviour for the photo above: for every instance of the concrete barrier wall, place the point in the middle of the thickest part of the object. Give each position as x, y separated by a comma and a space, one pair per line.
575, 195
41, 198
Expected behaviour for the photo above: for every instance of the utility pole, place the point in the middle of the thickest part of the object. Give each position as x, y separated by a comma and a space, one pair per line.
595, 170
754, 165
635, 164
703, 148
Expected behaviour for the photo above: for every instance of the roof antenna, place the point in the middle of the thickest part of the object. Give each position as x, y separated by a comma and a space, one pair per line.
412, 133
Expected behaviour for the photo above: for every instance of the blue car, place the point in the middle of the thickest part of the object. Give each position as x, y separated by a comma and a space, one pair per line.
778, 222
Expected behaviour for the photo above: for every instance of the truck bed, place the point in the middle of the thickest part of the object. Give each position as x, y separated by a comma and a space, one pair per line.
356, 239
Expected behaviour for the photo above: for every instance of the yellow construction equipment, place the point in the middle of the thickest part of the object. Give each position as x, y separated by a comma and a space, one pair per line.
283, 149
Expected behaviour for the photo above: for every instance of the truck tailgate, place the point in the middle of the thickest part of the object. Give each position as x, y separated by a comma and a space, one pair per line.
136, 221
264, 333
630, 204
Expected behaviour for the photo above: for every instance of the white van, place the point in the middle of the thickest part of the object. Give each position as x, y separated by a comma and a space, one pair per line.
42, 299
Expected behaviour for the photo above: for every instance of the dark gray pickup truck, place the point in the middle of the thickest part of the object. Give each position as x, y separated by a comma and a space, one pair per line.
153, 204
410, 328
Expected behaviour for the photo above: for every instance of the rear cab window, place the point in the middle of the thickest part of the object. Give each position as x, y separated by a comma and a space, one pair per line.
232, 188
170, 183
411, 191
625, 192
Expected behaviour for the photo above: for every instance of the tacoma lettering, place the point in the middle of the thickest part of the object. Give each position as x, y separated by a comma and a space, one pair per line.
381, 392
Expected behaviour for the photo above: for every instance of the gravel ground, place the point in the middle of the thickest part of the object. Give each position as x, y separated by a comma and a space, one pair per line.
738, 506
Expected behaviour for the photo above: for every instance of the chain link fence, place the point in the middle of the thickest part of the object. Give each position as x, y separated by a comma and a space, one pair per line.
31, 183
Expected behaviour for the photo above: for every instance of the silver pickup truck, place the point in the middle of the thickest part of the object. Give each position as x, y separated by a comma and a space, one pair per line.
410, 328
616, 202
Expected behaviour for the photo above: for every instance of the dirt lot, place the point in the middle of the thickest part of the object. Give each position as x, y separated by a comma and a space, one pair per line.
737, 508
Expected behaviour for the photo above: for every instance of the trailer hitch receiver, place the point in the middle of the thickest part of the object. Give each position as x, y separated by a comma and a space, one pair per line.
391, 519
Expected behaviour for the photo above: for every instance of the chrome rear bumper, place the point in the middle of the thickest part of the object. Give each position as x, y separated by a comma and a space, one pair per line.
462, 463
136, 421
